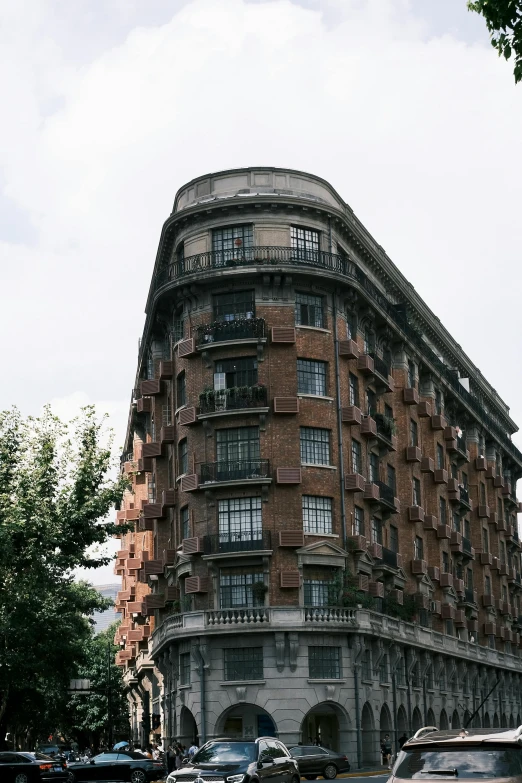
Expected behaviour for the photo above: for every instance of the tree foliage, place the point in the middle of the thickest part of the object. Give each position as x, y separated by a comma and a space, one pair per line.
504, 23
55, 492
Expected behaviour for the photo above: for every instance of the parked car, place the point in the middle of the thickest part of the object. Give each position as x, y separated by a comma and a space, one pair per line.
472, 755
239, 761
116, 766
30, 768
314, 760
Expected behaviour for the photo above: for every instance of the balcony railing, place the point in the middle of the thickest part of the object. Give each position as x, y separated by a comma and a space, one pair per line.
251, 615
235, 470
464, 495
390, 558
466, 545
387, 494
237, 398
248, 541
385, 426
469, 595
223, 331
380, 366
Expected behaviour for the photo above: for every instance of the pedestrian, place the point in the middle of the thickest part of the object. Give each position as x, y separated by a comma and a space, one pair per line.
402, 740
386, 750
179, 757
155, 753
171, 758
148, 752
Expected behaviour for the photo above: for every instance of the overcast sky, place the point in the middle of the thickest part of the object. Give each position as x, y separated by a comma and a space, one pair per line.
109, 106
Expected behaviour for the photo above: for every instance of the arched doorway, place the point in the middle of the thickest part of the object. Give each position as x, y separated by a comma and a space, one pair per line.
431, 718
467, 716
518, 720
385, 721
416, 720
444, 724
503, 721
326, 723
455, 720
487, 721
245, 720
369, 743
402, 721
496, 724
511, 722
188, 728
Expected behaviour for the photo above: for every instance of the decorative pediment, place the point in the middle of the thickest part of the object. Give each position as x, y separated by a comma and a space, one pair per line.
322, 553
425, 584
365, 564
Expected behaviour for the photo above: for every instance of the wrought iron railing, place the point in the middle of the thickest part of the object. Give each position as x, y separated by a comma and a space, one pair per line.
385, 426
464, 495
469, 595
235, 470
380, 365
466, 545
387, 493
221, 331
237, 398
390, 558
240, 541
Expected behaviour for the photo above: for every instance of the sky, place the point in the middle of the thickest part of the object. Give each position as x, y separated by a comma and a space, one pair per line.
109, 106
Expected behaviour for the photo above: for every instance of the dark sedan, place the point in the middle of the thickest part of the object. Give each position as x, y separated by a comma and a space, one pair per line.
314, 760
116, 766
30, 768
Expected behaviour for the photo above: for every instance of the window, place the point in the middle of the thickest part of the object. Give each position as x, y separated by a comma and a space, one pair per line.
183, 457
311, 377
440, 457
181, 389
482, 487
178, 327
366, 668
369, 340
230, 243
376, 532
309, 310
317, 592
231, 373
324, 663
317, 514
374, 467
315, 445
236, 588
243, 664
414, 433
487, 585
500, 509
502, 545
481, 446
384, 669
438, 402
151, 488
411, 374
445, 563
391, 478
305, 242
358, 521
240, 519
418, 548
467, 529
417, 500
235, 306
238, 445
184, 668
485, 540
371, 402
394, 538
464, 480
443, 511
351, 325
356, 456
454, 470
354, 389
469, 578
184, 522
456, 522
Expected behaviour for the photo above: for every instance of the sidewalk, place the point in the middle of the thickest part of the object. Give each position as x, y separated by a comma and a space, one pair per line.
365, 772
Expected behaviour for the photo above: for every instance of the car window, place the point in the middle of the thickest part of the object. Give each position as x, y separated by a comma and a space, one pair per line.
11, 758
40, 756
132, 755
459, 762
215, 752
309, 750
321, 752
283, 751
103, 758
296, 752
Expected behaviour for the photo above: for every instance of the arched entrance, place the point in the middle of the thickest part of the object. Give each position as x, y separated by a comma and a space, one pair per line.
431, 718
385, 720
246, 721
487, 721
416, 720
443, 720
518, 720
188, 729
503, 721
327, 724
511, 722
402, 721
496, 724
467, 716
369, 744
455, 720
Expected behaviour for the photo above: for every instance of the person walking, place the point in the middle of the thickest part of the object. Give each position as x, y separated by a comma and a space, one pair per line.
386, 750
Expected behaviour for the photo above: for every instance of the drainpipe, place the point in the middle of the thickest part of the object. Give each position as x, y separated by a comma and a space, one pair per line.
357, 648
408, 690
201, 672
394, 702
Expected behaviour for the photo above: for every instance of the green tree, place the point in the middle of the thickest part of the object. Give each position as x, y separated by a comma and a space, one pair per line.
55, 493
504, 23
86, 719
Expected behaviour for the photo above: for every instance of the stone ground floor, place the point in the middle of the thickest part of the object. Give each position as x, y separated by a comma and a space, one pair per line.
343, 691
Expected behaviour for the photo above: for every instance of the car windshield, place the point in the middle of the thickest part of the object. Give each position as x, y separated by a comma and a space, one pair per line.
226, 752
459, 762
40, 756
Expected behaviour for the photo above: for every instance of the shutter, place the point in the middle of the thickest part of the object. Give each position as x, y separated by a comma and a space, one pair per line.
166, 370
186, 348
286, 405
192, 546
168, 434
291, 538
196, 584
288, 475
144, 405
290, 579
151, 450
189, 482
150, 388
348, 349
187, 416
351, 415
283, 334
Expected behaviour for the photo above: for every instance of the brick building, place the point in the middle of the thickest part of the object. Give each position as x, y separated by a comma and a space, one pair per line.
323, 487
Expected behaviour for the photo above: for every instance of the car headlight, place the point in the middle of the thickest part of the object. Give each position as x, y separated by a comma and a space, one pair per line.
235, 778
171, 779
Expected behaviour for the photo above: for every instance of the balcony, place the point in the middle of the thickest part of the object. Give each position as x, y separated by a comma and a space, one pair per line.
390, 559
457, 446
382, 373
387, 499
241, 330
467, 550
461, 496
234, 543
386, 431
239, 398
256, 471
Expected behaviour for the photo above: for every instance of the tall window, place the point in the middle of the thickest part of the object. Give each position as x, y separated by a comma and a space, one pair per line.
417, 500
237, 444
414, 433
183, 457
309, 310
184, 668
369, 340
374, 467
311, 377
315, 445
394, 538
358, 521
230, 243
469, 578
411, 374
391, 478
502, 548
356, 456
376, 531
482, 493
240, 519
236, 587
440, 456
317, 589
443, 511
354, 389
230, 373
351, 325
487, 585
317, 514
445, 562
438, 402
243, 663
151, 488
418, 548
184, 522
234, 306
456, 522
485, 540
371, 402
324, 663
181, 389
384, 669
178, 327
366, 668
305, 242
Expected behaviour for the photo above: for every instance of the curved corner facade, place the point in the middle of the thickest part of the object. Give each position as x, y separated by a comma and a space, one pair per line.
322, 522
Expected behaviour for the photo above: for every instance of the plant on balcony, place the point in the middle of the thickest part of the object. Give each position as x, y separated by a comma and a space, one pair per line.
344, 591
259, 590
405, 611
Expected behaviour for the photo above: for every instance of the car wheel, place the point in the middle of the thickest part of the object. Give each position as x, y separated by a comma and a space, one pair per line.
21, 778
138, 776
330, 772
